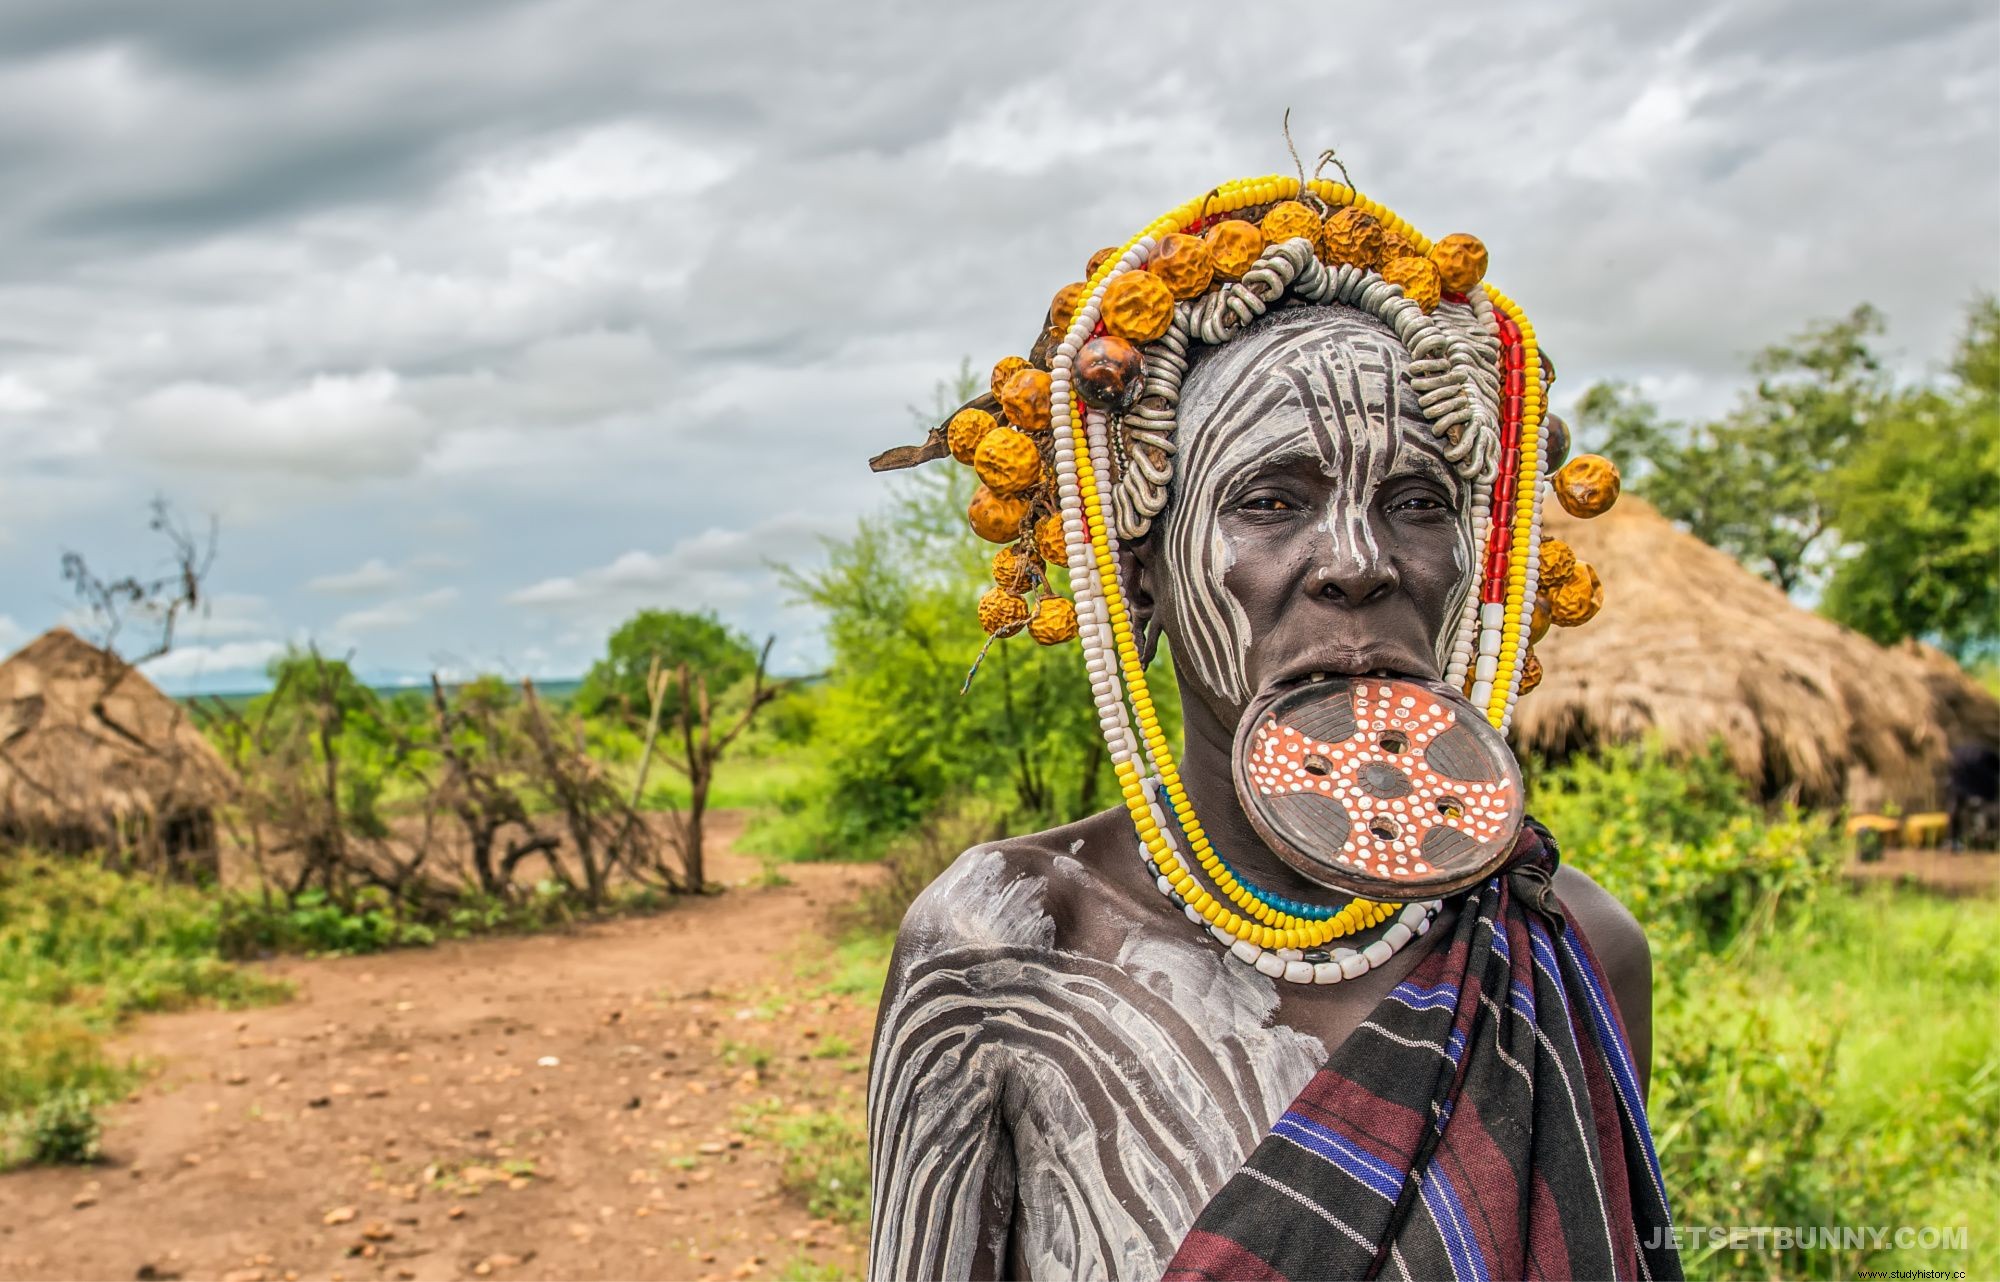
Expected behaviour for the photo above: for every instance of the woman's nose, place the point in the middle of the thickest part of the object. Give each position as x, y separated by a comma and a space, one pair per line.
1353, 573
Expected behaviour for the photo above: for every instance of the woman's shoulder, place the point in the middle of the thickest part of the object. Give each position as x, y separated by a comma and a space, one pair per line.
1016, 895
1619, 943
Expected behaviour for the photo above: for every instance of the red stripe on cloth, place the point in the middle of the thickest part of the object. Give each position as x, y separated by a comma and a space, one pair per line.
1210, 1257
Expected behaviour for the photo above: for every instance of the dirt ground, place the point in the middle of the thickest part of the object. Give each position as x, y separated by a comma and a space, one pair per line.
553, 1106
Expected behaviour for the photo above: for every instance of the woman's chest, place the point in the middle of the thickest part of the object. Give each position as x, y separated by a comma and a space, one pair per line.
1133, 1091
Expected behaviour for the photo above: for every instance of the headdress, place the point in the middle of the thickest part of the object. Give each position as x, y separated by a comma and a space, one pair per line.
1075, 447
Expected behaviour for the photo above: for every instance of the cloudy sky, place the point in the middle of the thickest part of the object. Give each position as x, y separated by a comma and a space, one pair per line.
480, 325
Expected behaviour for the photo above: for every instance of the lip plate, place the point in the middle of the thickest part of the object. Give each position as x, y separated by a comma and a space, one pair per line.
1309, 832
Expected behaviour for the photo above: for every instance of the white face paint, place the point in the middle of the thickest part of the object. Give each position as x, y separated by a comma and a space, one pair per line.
1322, 384
1001, 1055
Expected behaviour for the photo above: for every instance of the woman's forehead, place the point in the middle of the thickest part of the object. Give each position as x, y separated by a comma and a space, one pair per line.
1328, 379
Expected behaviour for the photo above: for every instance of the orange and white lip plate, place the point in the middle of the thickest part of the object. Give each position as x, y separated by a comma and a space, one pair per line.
1383, 787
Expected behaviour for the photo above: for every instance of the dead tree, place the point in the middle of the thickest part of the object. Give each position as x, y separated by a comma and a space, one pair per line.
112, 604
475, 789
606, 835
701, 747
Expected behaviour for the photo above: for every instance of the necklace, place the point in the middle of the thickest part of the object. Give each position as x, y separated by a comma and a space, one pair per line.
1319, 965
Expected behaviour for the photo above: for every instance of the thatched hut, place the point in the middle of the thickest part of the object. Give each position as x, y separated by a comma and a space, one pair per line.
94, 758
1692, 647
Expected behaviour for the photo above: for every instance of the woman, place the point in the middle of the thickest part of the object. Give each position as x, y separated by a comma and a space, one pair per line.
1314, 1002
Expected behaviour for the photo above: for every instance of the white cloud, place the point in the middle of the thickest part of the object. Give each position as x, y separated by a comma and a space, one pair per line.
391, 615
18, 396
189, 662
620, 163
716, 568
336, 425
228, 614
372, 575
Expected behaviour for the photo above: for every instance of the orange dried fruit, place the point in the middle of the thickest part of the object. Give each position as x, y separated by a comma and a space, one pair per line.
1577, 599
1013, 569
1062, 308
1461, 261
1290, 220
1138, 307
1183, 262
1025, 399
995, 518
1049, 539
1352, 238
967, 428
1558, 561
1004, 369
1008, 462
1054, 621
1002, 613
1395, 245
1419, 279
1531, 672
1098, 260
1234, 247
1539, 621
1587, 485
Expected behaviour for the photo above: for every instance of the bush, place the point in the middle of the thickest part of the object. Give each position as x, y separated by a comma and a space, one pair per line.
63, 1130
250, 927
82, 948
1682, 846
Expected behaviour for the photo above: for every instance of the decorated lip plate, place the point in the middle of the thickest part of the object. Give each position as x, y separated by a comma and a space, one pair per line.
1383, 787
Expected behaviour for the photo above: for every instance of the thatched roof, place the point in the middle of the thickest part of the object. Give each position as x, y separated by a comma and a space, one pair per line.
88, 744
1693, 647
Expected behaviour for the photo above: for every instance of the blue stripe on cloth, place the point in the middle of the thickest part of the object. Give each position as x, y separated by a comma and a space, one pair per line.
1521, 1000
1367, 1169
1419, 997
1617, 1056
1453, 1225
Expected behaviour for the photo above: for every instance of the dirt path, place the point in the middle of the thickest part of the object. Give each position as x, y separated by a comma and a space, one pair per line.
556, 1106
1939, 870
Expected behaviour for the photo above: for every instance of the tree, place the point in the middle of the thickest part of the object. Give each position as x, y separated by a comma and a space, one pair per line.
1758, 483
1919, 504
616, 685
701, 745
898, 743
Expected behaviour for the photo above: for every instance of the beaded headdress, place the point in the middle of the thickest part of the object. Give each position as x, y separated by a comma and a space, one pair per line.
1075, 447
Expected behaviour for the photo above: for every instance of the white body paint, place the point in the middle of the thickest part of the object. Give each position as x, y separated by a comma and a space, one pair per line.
1343, 396
986, 1062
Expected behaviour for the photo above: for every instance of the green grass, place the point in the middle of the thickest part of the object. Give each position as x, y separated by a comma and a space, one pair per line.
856, 966
803, 1268
823, 1155
1841, 1069
81, 950
748, 782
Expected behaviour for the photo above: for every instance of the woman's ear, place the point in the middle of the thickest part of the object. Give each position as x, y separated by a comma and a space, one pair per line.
1135, 570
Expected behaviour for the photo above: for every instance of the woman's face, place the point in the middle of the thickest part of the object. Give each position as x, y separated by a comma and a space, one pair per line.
1314, 525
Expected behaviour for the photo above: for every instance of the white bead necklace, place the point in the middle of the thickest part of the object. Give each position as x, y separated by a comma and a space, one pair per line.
1328, 964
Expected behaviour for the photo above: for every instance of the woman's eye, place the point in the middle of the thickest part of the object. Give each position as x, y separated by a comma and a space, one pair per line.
1267, 503
1418, 503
